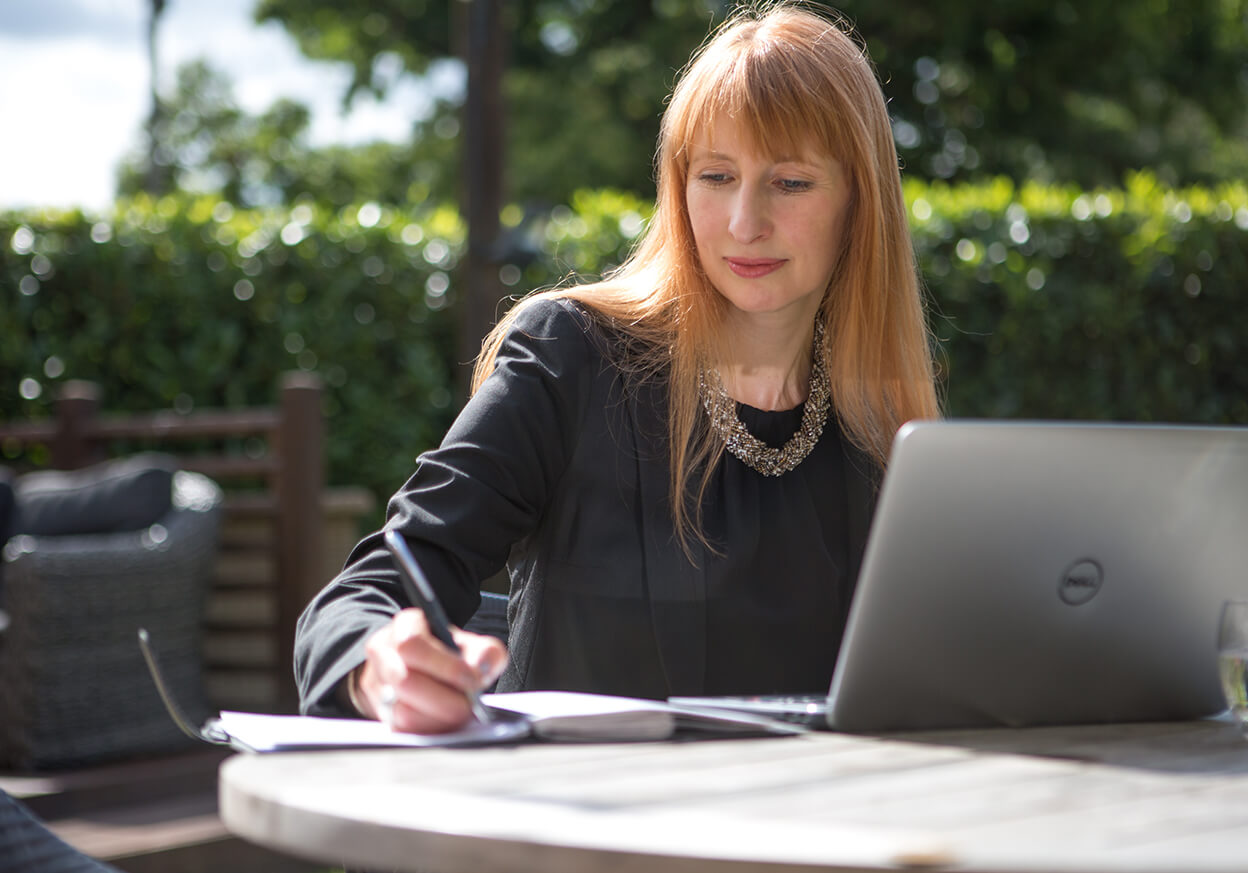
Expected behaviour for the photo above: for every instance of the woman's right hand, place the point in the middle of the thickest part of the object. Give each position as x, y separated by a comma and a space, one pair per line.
416, 683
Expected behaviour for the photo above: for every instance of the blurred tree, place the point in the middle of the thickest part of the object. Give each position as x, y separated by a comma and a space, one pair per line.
585, 81
205, 142
202, 141
1026, 88
1079, 92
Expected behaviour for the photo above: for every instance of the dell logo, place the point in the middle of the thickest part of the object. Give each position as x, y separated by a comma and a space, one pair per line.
1080, 582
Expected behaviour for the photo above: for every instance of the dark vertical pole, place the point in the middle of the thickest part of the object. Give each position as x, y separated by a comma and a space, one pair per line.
300, 516
76, 406
483, 180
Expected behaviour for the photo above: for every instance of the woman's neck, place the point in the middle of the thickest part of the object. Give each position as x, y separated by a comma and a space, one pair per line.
767, 362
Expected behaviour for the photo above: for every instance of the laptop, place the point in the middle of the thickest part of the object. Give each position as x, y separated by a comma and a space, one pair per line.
1033, 573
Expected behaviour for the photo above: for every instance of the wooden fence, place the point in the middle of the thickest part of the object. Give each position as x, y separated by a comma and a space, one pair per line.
284, 534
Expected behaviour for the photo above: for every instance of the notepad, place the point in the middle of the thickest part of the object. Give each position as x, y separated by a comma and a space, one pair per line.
558, 716
260, 732
567, 715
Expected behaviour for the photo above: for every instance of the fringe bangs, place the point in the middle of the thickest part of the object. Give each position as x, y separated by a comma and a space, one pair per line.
756, 80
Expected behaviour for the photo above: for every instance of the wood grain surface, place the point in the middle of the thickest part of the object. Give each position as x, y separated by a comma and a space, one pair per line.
1159, 797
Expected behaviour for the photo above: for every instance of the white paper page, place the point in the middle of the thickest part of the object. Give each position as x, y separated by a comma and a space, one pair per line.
569, 715
268, 733
561, 704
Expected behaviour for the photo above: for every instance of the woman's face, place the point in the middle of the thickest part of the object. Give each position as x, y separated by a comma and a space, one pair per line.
768, 228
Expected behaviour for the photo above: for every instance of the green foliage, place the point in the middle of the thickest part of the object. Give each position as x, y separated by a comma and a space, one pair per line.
415, 32
1079, 92
584, 85
206, 144
188, 303
1051, 302
1047, 302
1030, 89
975, 90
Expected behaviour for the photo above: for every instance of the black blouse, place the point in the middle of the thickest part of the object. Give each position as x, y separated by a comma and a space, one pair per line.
776, 600
557, 468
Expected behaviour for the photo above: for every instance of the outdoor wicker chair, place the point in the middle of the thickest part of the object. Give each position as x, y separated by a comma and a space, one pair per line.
73, 685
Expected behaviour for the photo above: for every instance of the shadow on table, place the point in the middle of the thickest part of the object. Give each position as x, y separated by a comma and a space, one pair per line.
1212, 745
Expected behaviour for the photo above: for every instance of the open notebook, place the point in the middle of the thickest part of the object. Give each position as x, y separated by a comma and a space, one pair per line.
561, 716
543, 715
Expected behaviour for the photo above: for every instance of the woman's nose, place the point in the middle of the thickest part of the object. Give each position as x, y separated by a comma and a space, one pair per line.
749, 220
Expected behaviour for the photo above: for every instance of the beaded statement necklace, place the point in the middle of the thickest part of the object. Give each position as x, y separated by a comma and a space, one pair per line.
749, 449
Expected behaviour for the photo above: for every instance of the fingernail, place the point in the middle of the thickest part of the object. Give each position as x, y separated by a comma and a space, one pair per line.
487, 679
385, 705
491, 669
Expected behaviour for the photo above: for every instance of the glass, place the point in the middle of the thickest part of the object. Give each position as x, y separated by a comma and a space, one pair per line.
1233, 659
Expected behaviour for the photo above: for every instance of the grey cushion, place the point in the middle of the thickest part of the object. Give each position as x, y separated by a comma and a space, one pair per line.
128, 494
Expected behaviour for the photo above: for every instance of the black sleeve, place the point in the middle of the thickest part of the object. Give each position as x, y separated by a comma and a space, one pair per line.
468, 501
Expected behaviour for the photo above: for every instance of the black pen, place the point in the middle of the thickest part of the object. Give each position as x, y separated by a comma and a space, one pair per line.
421, 594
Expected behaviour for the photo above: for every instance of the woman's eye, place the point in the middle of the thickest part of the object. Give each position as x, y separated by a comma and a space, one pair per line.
791, 186
713, 178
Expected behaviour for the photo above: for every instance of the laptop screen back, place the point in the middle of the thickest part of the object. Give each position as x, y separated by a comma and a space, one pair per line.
1025, 573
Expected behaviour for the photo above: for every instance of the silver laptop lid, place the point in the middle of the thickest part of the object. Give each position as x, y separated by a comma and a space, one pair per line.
1023, 573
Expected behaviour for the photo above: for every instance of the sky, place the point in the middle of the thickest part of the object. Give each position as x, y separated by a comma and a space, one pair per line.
74, 88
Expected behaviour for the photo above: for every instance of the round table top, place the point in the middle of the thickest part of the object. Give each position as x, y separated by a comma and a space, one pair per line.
1162, 797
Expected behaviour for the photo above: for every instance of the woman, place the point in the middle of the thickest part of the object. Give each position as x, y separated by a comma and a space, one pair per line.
677, 464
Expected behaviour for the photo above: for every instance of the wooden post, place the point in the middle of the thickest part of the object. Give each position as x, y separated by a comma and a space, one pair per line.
76, 406
300, 518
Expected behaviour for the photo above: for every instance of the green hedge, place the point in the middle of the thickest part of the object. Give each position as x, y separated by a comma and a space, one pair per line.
1051, 302
189, 303
1047, 302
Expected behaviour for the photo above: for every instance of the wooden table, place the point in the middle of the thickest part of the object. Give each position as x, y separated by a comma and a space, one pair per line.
1164, 797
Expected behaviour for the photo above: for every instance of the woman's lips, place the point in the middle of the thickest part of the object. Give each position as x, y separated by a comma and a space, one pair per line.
754, 268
